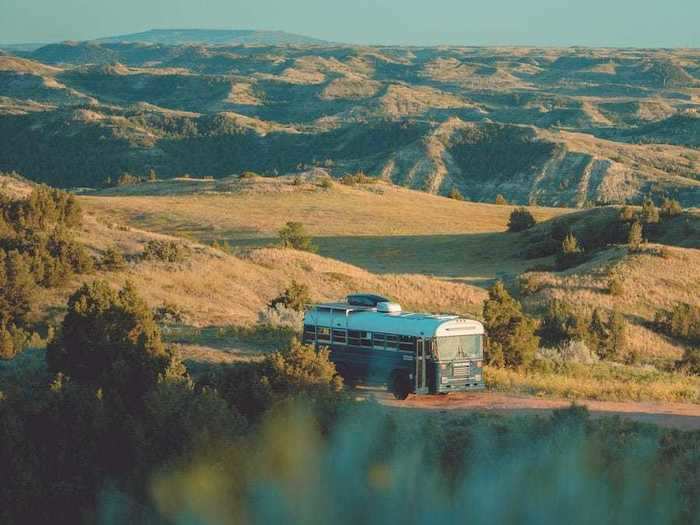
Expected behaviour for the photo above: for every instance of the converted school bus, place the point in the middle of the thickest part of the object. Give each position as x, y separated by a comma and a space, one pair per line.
372, 340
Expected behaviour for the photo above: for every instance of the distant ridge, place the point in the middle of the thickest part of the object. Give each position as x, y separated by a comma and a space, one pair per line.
214, 37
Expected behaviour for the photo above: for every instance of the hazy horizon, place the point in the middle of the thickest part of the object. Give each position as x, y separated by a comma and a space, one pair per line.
541, 23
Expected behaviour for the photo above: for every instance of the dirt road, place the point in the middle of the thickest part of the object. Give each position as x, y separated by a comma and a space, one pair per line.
672, 415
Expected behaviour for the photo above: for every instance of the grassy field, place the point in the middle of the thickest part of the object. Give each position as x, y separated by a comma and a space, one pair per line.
379, 227
602, 381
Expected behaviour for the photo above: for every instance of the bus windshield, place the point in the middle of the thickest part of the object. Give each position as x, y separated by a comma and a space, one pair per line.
458, 346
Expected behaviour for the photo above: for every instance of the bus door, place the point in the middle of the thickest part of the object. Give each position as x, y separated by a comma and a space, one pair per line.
421, 364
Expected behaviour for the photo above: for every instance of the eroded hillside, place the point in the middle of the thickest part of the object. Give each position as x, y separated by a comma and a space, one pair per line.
555, 127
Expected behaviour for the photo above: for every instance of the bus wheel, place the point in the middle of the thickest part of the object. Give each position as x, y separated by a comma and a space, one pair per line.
400, 386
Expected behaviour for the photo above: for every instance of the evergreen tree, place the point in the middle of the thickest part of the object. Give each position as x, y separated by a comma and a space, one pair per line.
521, 219
109, 340
617, 327
512, 341
570, 254
296, 297
293, 235
635, 237
455, 194
649, 214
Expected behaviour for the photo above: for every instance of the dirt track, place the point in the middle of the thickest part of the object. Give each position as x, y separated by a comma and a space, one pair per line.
672, 415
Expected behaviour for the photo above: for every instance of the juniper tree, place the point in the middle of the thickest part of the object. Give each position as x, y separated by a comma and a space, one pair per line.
635, 237
512, 341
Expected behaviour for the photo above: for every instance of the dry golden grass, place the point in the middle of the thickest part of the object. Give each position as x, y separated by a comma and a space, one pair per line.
601, 382
380, 227
650, 282
215, 288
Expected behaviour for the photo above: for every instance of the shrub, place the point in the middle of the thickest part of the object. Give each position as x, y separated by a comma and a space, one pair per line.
628, 214
127, 179
690, 362
649, 213
169, 313
296, 297
357, 178
13, 341
500, 199
292, 235
571, 254
248, 175
635, 237
326, 183
616, 286
112, 260
521, 219
298, 370
670, 208
617, 341
281, 316
562, 324
151, 176
512, 341
455, 194
166, 251
109, 340
682, 321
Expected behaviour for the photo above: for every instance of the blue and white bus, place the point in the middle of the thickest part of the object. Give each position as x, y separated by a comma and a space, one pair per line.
371, 340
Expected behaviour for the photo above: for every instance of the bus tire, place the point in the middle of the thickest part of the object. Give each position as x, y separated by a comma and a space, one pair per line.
400, 386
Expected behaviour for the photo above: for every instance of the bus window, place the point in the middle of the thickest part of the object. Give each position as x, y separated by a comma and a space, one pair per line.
339, 336
323, 333
309, 333
359, 338
379, 340
407, 343
392, 342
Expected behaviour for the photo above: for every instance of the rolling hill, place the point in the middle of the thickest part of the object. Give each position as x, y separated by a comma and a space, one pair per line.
562, 127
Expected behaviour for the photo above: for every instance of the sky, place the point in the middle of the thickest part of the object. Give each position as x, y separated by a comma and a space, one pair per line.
624, 23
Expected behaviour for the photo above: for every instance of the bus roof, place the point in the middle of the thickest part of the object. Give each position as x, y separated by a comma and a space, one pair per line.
346, 316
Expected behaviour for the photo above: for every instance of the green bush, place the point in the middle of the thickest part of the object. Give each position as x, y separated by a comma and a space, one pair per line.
455, 194
112, 260
670, 208
296, 297
635, 237
561, 324
109, 340
520, 220
649, 213
357, 178
298, 370
166, 251
511, 334
293, 235
690, 362
570, 254
682, 321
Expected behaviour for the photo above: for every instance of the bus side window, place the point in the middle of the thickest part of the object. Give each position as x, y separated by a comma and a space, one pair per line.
353, 337
392, 342
366, 339
323, 334
339, 336
379, 340
407, 343
309, 333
